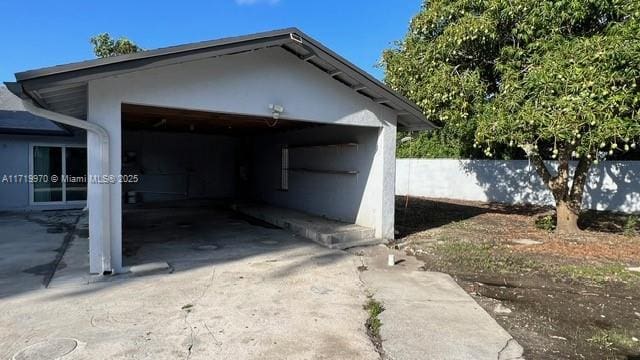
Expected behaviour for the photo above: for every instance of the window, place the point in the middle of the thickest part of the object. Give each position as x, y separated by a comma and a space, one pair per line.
59, 174
284, 176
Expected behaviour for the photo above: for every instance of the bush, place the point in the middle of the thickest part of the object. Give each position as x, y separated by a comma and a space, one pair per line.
546, 222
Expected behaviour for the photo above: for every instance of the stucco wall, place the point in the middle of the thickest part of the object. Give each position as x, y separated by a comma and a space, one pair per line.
203, 168
14, 160
613, 186
243, 83
345, 197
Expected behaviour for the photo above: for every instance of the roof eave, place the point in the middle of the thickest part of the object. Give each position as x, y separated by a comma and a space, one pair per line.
82, 72
148, 54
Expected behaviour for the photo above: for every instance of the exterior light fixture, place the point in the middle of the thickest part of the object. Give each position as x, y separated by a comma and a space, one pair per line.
276, 110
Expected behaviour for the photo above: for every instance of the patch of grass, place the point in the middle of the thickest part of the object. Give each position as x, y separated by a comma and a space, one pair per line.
483, 257
630, 226
547, 222
374, 308
614, 339
598, 273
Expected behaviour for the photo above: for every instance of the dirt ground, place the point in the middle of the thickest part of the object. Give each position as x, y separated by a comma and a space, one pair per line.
560, 297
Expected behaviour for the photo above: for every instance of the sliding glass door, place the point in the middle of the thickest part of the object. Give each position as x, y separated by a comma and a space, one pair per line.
58, 174
47, 168
76, 171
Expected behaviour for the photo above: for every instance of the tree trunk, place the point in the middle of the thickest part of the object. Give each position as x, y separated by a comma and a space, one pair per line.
568, 201
567, 218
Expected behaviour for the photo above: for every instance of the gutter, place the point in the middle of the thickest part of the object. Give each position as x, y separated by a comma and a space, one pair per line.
103, 135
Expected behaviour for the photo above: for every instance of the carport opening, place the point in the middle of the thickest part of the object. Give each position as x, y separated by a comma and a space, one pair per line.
188, 171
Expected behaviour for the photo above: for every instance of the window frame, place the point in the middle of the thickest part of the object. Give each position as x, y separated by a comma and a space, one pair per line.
64, 201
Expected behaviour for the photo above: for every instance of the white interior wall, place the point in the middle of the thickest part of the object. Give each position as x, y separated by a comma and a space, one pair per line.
188, 165
344, 197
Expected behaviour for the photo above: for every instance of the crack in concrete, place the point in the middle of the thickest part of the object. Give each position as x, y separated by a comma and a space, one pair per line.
187, 310
375, 341
215, 340
69, 228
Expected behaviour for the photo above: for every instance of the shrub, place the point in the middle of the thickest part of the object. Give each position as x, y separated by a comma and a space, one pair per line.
546, 222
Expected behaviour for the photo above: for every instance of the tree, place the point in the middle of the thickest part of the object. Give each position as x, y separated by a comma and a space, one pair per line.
558, 79
104, 46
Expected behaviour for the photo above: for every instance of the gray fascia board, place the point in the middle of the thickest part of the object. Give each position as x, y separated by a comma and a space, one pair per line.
84, 71
93, 72
147, 54
359, 74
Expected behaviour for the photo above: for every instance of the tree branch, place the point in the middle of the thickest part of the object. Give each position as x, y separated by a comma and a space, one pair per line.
579, 181
558, 184
561, 181
541, 168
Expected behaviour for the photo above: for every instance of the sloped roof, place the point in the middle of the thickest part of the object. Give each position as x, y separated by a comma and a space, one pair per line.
14, 119
62, 88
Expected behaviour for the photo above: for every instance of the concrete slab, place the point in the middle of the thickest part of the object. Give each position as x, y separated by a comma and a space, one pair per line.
74, 265
259, 293
331, 233
526, 242
428, 316
149, 268
30, 245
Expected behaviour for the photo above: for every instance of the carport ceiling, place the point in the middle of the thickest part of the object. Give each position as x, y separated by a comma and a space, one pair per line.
152, 118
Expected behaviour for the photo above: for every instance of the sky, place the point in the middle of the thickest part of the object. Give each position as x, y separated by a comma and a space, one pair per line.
41, 33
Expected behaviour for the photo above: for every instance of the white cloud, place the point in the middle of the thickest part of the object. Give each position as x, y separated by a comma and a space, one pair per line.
254, 2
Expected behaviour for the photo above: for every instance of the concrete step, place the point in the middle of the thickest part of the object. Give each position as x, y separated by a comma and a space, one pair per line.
331, 233
357, 243
349, 236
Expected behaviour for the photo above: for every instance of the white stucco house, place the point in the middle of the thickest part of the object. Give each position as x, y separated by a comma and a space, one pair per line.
273, 117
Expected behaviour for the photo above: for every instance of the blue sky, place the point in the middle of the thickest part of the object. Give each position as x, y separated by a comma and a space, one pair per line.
41, 33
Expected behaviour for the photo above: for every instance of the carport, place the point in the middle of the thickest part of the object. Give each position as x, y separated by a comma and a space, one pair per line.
273, 124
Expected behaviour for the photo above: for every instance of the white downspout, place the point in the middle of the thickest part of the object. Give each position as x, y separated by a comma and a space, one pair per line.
105, 190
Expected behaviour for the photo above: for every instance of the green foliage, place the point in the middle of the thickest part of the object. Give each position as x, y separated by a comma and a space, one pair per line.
104, 46
483, 257
374, 308
545, 76
615, 339
630, 226
598, 273
546, 222
431, 144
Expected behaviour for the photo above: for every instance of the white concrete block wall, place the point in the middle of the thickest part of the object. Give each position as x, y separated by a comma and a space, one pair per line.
203, 168
613, 186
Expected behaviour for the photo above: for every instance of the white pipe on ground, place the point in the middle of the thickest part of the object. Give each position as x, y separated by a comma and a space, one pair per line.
105, 189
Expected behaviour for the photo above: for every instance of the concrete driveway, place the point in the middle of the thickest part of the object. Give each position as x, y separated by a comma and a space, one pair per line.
237, 290
30, 245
